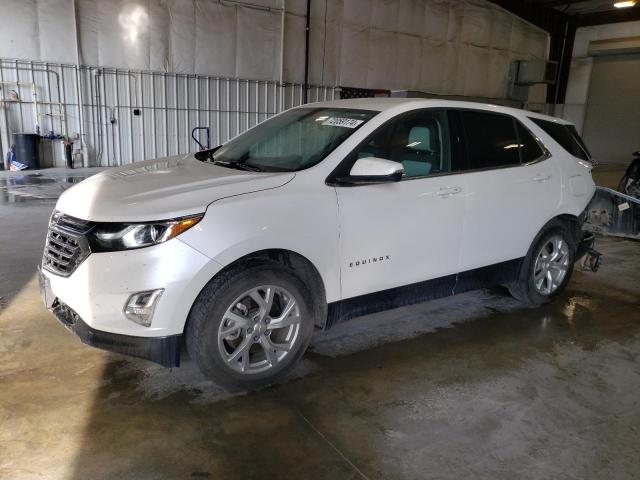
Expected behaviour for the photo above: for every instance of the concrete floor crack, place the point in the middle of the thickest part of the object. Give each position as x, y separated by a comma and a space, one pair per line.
331, 444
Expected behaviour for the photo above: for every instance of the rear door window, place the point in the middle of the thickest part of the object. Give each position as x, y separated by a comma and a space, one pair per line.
491, 139
566, 135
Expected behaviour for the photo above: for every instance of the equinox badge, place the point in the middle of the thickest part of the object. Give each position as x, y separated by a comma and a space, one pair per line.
366, 261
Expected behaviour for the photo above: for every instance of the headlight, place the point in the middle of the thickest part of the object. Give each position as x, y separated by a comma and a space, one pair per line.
108, 237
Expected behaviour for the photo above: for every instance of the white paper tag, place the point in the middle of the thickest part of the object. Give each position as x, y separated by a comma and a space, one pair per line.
342, 122
623, 206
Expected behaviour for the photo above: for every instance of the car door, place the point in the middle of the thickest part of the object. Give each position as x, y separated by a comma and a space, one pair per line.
512, 188
404, 232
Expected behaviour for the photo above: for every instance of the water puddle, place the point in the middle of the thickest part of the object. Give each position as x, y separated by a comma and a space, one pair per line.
31, 188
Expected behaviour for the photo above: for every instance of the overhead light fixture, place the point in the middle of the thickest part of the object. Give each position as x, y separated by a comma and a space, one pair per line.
625, 4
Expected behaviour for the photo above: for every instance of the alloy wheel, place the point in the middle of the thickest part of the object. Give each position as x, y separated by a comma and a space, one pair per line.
259, 329
552, 265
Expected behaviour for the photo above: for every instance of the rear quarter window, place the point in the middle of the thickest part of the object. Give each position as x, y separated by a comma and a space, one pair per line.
530, 151
566, 135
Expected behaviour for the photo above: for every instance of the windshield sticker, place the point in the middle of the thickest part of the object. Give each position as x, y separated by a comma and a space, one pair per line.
342, 122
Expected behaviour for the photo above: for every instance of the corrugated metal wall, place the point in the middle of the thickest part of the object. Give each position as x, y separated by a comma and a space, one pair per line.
128, 115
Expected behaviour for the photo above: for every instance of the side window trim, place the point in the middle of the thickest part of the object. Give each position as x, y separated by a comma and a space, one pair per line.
546, 154
333, 178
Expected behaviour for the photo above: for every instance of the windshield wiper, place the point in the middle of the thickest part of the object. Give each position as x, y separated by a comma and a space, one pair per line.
237, 166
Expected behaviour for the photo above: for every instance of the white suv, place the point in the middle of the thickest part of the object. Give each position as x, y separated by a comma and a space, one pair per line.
324, 212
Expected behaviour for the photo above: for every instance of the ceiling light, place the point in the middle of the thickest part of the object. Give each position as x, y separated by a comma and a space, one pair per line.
625, 4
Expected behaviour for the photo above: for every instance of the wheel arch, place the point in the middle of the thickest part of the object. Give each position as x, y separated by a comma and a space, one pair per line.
571, 222
298, 264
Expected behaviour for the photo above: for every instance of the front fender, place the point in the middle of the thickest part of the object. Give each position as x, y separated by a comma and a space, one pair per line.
300, 220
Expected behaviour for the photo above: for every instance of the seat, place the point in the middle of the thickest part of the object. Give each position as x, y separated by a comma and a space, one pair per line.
417, 155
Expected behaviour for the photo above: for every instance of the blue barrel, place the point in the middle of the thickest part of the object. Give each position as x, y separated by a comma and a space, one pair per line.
27, 149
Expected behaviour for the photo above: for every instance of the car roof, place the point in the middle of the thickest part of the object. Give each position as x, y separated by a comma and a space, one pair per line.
381, 104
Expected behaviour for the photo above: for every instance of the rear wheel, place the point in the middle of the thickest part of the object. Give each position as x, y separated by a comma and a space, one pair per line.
249, 326
546, 270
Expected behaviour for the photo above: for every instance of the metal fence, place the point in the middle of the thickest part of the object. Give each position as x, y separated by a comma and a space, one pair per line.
118, 116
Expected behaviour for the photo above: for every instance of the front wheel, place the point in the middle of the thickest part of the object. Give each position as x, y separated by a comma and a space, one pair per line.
547, 268
250, 325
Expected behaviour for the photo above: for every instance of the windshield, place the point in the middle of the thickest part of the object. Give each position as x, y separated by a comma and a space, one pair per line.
295, 140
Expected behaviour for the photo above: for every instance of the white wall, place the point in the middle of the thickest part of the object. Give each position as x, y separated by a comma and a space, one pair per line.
440, 46
581, 66
172, 59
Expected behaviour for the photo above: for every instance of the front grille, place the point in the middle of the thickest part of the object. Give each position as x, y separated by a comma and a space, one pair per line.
67, 246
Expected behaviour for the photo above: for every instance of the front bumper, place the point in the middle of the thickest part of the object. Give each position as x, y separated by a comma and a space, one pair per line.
90, 302
162, 350
101, 285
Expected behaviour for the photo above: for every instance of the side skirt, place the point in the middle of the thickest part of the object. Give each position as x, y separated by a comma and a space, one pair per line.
496, 274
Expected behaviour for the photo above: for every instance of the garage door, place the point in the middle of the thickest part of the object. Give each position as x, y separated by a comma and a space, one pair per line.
612, 121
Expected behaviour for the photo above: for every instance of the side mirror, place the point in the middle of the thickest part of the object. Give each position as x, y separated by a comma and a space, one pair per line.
372, 170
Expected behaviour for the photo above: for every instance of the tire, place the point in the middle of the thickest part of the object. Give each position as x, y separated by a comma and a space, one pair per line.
233, 337
528, 288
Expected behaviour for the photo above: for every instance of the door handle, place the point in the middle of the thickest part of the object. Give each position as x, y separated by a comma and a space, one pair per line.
445, 192
542, 177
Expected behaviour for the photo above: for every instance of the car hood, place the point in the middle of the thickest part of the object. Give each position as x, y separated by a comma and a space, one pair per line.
160, 189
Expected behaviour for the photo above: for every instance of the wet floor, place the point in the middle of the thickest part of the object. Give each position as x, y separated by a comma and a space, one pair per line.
474, 386
42, 186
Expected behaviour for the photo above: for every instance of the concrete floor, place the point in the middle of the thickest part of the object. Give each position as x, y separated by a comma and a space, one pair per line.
468, 387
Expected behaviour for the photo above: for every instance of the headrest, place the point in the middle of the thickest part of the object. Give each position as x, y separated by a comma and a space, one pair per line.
420, 139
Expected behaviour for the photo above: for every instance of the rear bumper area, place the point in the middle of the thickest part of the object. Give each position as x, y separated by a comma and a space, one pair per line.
586, 244
592, 259
162, 350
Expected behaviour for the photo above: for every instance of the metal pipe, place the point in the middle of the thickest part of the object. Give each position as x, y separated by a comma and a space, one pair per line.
92, 111
166, 116
143, 130
176, 117
237, 130
132, 104
79, 87
282, 25
154, 141
63, 109
306, 52
48, 87
208, 99
114, 120
20, 109
103, 113
247, 101
187, 117
4, 127
96, 74
218, 124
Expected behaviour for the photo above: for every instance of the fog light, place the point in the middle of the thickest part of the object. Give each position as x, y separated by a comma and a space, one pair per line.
140, 306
